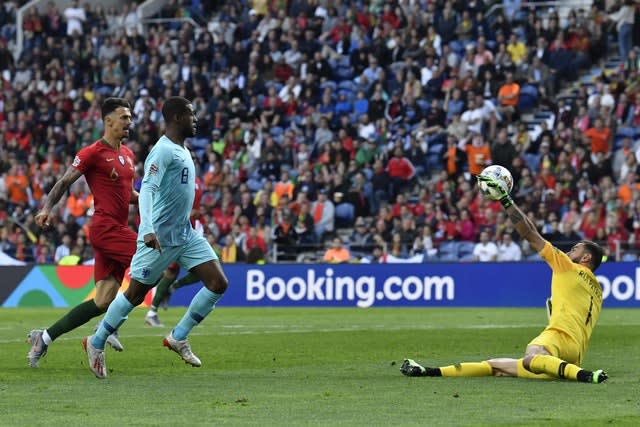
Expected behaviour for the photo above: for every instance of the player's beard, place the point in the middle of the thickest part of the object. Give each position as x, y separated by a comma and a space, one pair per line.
190, 130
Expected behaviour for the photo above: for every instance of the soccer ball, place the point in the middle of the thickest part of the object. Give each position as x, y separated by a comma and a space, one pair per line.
499, 173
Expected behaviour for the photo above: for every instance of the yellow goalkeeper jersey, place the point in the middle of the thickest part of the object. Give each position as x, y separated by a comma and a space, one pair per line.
576, 296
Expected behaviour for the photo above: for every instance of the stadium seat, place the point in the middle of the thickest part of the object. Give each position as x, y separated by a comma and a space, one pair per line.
347, 85
466, 257
528, 98
344, 73
448, 257
423, 104
276, 132
434, 162
626, 132
345, 213
436, 149
344, 61
448, 250
457, 47
534, 257
465, 248
329, 84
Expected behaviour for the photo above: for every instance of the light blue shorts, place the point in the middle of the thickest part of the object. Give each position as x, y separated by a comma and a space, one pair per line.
148, 264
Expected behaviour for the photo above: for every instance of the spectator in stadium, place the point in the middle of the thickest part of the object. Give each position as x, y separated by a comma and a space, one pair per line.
624, 19
284, 235
478, 154
323, 211
508, 97
599, 138
540, 75
304, 226
337, 253
361, 240
75, 15
508, 250
574, 288
503, 151
17, 186
401, 171
518, 51
485, 250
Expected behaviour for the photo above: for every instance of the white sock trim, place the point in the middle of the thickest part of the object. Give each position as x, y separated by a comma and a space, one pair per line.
46, 338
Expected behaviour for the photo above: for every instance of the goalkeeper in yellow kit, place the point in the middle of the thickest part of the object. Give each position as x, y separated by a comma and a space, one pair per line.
577, 300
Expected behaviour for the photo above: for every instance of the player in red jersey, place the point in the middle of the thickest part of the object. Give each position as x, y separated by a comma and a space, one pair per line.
108, 167
168, 284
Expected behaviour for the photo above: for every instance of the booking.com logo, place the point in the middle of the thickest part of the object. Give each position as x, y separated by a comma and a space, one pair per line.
364, 290
621, 287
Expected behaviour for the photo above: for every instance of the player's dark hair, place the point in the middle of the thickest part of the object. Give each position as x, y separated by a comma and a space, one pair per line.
111, 104
596, 252
174, 106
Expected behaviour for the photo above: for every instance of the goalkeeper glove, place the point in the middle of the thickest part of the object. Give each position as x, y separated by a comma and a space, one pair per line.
503, 195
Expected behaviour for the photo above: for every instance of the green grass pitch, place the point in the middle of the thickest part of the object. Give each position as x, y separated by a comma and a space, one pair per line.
315, 366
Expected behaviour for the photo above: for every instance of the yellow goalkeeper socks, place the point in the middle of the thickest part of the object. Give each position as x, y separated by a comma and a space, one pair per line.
525, 373
478, 369
554, 366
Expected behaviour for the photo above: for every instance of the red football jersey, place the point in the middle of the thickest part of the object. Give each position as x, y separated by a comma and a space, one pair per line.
196, 199
109, 174
199, 192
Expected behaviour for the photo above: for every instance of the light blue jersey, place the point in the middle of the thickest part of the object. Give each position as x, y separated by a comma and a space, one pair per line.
169, 180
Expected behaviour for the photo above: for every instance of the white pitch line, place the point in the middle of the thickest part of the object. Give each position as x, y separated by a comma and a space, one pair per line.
283, 329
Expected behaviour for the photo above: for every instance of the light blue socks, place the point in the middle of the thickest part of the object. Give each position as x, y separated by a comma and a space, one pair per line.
117, 313
201, 305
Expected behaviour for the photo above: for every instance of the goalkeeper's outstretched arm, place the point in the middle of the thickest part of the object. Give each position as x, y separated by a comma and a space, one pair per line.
524, 226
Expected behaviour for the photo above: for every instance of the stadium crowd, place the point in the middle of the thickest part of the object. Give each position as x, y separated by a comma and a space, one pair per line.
315, 116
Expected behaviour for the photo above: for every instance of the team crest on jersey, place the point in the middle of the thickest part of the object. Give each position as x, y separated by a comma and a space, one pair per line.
76, 162
121, 159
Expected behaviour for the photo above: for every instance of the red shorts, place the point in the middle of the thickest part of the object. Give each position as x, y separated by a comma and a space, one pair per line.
113, 245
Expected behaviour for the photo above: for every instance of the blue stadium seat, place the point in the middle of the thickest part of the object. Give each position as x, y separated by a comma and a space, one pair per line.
457, 47
434, 162
448, 257
621, 134
329, 83
448, 250
351, 97
345, 211
423, 104
466, 248
528, 98
626, 132
347, 85
344, 73
344, 61
435, 149
276, 132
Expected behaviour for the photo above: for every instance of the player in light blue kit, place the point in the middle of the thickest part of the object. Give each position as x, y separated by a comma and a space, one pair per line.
165, 235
